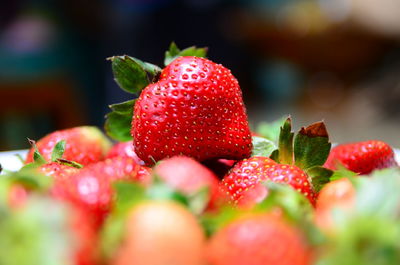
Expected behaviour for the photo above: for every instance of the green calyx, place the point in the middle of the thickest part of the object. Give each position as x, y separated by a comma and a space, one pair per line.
133, 75
174, 52
56, 156
308, 150
119, 121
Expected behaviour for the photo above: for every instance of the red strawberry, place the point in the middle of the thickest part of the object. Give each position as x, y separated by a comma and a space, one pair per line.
86, 236
91, 188
243, 183
299, 160
195, 109
124, 149
258, 240
187, 176
81, 226
57, 170
160, 232
336, 194
84, 145
362, 157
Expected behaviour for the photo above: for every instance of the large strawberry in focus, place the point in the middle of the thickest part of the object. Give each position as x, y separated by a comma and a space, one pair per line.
195, 108
362, 157
84, 145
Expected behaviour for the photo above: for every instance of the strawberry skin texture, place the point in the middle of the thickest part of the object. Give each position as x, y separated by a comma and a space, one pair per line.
243, 183
362, 157
84, 145
91, 188
124, 149
257, 240
195, 109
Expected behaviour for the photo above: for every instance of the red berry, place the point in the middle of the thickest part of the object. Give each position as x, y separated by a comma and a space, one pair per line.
243, 183
161, 232
188, 176
258, 240
362, 157
124, 149
91, 188
84, 145
195, 109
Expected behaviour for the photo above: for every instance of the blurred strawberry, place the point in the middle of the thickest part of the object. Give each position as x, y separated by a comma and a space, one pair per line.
160, 232
124, 149
258, 239
84, 145
91, 187
362, 157
338, 194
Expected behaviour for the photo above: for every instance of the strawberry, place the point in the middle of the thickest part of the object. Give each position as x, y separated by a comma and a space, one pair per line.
188, 176
193, 107
160, 232
124, 149
362, 157
336, 194
84, 145
258, 239
243, 183
185, 174
91, 187
74, 230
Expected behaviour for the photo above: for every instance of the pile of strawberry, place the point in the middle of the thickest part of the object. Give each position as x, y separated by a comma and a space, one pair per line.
188, 183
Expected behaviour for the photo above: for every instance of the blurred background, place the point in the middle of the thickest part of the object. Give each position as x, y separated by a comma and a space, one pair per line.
337, 60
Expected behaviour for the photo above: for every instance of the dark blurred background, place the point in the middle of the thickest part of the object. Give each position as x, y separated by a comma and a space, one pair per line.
337, 60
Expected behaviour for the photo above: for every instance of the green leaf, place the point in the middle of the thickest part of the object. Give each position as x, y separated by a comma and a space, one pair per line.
30, 178
294, 205
160, 190
58, 150
319, 176
286, 143
69, 163
378, 195
119, 122
127, 194
275, 155
125, 107
270, 130
174, 52
311, 146
342, 172
198, 201
129, 74
214, 221
37, 157
262, 146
